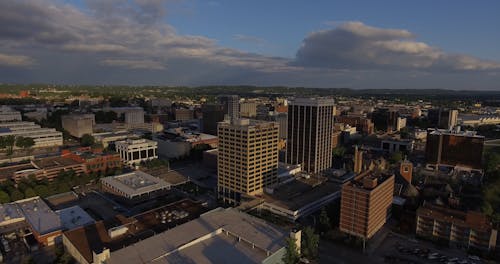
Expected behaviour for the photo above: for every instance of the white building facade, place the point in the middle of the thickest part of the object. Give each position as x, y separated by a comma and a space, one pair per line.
133, 151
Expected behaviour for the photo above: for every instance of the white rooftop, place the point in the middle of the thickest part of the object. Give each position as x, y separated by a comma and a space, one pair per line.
205, 240
73, 217
136, 183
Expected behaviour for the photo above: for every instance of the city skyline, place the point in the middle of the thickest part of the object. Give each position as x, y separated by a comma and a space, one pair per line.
362, 45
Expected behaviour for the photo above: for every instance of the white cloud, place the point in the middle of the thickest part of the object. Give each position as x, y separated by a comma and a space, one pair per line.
354, 45
15, 60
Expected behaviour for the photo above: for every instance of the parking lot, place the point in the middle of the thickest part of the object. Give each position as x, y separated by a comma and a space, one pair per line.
399, 249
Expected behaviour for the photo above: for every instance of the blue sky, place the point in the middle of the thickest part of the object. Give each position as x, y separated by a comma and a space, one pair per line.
453, 44
459, 26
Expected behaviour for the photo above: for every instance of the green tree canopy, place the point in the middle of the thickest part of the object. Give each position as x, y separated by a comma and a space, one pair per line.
310, 243
87, 140
29, 192
324, 221
292, 254
4, 197
42, 190
16, 195
396, 157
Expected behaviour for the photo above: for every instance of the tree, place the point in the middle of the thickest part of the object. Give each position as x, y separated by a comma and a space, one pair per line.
87, 140
25, 142
42, 190
324, 221
338, 152
29, 192
10, 141
16, 195
396, 157
292, 254
310, 243
4, 197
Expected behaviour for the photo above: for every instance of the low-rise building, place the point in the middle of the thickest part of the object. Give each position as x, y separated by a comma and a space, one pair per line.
178, 142
300, 197
43, 137
134, 151
95, 161
134, 186
44, 223
8, 115
218, 236
469, 229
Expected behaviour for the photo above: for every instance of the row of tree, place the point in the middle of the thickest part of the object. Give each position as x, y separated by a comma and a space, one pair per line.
9, 142
30, 187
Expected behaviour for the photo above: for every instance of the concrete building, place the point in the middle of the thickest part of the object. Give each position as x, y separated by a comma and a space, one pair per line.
310, 128
396, 144
9, 115
78, 125
479, 120
43, 137
218, 236
134, 186
231, 104
300, 197
454, 148
212, 114
468, 229
178, 142
73, 217
109, 138
183, 114
248, 109
443, 118
365, 204
44, 223
247, 158
134, 151
361, 122
282, 120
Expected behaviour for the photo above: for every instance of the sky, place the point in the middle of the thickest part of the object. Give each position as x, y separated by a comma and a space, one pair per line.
446, 44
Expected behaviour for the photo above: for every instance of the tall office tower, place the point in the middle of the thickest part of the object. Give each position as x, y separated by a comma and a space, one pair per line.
212, 114
248, 158
310, 128
231, 105
443, 118
365, 204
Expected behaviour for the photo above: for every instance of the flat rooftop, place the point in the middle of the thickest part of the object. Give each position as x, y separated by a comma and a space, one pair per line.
9, 212
172, 177
40, 217
454, 133
301, 192
54, 162
441, 213
231, 229
8, 171
136, 183
73, 217
95, 237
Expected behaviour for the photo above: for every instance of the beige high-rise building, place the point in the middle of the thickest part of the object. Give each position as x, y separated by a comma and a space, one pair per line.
310, 129
248, 158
